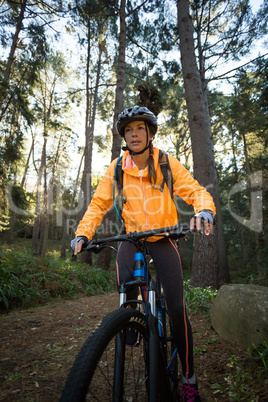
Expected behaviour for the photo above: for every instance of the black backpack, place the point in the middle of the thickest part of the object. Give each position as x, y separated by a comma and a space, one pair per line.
167, 178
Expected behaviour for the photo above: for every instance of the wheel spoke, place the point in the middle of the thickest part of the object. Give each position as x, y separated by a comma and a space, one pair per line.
105, 369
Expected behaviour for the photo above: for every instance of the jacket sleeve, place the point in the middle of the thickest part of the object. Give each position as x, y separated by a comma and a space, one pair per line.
99, 206
186, 187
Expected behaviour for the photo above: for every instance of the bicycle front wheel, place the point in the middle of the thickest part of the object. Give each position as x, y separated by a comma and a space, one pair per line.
108, 370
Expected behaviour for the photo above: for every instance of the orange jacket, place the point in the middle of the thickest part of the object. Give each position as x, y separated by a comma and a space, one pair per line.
146, 207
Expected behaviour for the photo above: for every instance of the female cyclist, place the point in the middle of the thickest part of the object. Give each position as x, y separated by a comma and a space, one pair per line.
148, 205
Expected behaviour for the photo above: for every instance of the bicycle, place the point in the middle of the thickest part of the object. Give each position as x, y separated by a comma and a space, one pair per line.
107, 369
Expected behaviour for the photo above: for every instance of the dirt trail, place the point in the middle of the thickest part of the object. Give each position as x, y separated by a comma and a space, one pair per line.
38, 347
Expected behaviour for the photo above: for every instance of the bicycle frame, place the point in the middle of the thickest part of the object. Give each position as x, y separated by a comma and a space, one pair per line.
153, 310
140, 267
106, 366
155, 325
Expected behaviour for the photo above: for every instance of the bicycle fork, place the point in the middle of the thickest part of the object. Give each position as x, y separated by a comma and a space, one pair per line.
151, 296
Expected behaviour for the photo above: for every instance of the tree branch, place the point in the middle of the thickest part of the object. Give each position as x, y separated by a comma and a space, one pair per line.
137, 8
237, 68
142, 48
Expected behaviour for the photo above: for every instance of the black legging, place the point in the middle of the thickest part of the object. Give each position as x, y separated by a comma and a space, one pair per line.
168, 265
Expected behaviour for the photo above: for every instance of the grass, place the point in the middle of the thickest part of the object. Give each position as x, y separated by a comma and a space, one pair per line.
25, 281
260, 354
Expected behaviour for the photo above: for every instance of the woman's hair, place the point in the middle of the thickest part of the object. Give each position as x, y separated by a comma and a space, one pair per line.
151, 169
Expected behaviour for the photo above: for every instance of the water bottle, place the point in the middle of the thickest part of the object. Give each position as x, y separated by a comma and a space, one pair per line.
140, 269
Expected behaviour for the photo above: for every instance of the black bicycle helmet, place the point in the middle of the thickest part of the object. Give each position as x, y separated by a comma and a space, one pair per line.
132, 114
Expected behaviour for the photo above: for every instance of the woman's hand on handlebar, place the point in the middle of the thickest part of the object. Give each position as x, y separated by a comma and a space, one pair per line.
78, 247
202, 220
78, 243
197, 223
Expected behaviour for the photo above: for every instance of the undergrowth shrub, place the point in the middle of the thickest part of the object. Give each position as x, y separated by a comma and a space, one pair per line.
242, 381
25, 281
198, 299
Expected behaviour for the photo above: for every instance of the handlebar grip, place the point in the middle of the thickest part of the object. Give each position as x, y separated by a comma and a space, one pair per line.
93, 248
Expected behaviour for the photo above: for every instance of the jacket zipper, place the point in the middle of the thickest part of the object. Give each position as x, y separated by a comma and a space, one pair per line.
144, 204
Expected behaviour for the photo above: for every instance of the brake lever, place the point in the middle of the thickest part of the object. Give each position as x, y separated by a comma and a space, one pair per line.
94, 248
88, 246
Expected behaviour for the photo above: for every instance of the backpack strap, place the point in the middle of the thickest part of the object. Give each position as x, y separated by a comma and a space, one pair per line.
118, 182
166, 172
167, 177
118, 175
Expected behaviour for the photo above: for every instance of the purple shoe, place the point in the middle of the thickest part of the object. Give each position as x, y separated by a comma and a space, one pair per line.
189, 393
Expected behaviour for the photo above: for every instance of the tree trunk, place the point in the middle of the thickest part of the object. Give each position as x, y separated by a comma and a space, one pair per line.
86, 184
44, 214
209, 264
91, 108
12, 53
14, 42
27, 164
64, 234
88, 256
224, 275
44, 224
36, 227
104, 258
120, 84
12, 218
86, 177
48, 200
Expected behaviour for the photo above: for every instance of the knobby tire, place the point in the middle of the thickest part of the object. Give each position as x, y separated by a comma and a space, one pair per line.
92, 375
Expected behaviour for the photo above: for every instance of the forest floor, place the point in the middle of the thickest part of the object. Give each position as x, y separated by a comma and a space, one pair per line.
39, 345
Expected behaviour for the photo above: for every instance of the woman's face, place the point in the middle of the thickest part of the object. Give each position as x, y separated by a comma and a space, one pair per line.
136, 135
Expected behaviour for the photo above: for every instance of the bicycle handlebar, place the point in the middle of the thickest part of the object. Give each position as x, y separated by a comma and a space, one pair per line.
177, 231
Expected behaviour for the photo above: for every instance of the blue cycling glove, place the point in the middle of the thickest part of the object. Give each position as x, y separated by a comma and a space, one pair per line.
84, 239
206, 214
